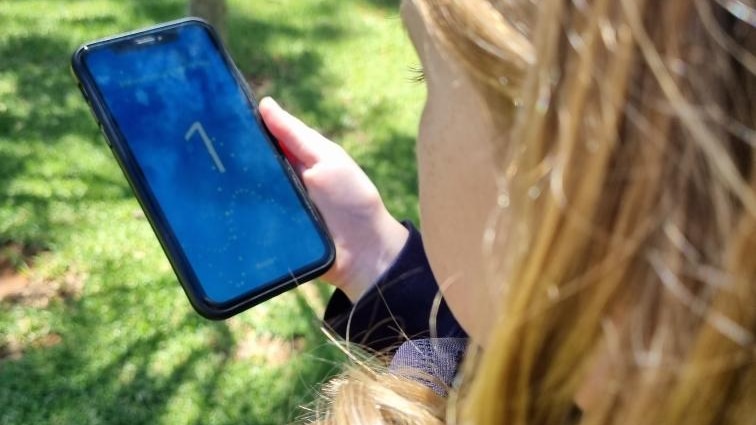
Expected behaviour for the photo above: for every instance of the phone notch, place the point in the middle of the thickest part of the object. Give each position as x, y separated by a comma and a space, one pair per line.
145, 41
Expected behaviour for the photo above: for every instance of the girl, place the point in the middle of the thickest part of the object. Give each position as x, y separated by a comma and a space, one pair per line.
588, 200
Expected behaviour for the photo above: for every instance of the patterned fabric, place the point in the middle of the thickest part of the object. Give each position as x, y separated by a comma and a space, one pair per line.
432, 361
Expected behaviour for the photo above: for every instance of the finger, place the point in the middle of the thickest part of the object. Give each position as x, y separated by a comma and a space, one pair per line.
296, 138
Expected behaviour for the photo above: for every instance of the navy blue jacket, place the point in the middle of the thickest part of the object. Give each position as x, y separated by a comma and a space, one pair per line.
399, 307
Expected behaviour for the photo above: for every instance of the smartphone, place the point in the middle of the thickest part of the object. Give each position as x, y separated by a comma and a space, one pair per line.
230, 213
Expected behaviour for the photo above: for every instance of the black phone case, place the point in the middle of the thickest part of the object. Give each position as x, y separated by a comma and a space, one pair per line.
136, 180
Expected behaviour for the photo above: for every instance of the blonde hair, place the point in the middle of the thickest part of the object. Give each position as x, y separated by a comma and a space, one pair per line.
628, 215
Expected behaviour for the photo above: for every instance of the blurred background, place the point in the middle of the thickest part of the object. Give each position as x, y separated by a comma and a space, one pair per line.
94, 327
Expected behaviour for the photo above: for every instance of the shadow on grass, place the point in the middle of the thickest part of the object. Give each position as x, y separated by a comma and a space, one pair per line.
44, 111
159, 11
125, 389
296, 77
391, 5
100, 373
43, 82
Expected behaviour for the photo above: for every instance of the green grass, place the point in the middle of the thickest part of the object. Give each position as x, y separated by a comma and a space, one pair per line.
105, 334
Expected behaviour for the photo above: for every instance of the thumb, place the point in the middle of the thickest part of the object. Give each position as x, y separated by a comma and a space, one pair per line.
295, 137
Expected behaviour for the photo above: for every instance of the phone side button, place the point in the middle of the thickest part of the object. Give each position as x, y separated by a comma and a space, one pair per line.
83, 93
105, 136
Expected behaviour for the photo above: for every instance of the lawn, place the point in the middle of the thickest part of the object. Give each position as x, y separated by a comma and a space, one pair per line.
94, 327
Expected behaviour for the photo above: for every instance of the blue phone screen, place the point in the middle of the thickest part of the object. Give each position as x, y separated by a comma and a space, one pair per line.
214, 174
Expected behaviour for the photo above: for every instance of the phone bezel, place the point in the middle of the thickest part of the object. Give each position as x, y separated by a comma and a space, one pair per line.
180, 264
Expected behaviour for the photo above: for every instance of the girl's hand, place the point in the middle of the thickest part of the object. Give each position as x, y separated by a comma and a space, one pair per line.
367, 237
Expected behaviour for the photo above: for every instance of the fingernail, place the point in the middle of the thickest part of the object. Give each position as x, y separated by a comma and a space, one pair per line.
268, 99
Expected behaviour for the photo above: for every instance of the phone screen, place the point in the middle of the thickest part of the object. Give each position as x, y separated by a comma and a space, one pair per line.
216, 178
